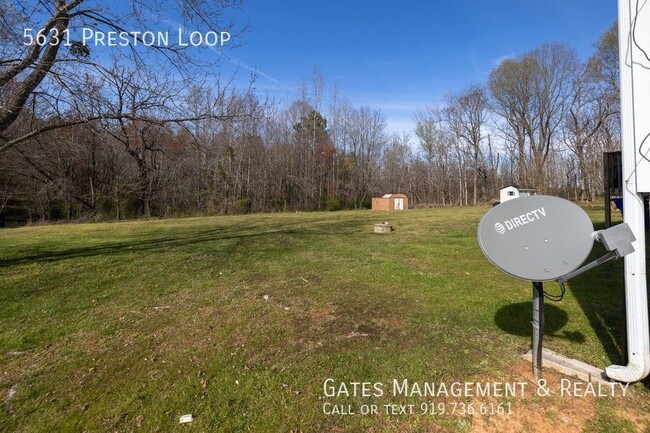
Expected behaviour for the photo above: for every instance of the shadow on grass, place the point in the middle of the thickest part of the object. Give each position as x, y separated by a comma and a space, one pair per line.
600, 293
515, 319
243, 232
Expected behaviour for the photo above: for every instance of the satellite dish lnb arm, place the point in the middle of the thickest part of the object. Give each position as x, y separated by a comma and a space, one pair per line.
599, 261
617, 240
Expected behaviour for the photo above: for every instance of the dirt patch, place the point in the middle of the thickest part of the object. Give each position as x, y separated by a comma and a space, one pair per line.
559, 412
323, 315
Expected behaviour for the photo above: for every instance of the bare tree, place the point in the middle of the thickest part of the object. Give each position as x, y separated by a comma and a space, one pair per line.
46, 62
466, 114
395, 167
435, 146
587, 112
556, 66
532, 95
364, 133
511, 87
602, 69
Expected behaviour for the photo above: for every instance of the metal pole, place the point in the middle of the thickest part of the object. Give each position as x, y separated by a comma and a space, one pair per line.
607, 195
538, 327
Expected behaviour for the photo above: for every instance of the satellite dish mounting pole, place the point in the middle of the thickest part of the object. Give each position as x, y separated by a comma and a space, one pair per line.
538, 327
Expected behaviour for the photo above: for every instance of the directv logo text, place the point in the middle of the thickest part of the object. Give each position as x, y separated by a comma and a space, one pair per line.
520, 220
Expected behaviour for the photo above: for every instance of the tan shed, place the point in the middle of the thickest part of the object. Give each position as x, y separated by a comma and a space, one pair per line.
390, 202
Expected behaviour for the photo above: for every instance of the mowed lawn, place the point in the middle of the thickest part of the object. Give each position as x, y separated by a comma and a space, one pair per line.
239, 320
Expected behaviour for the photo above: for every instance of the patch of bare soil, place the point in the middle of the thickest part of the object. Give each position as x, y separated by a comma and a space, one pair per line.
559, 413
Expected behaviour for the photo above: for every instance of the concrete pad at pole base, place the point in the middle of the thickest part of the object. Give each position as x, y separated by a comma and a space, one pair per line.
570, 367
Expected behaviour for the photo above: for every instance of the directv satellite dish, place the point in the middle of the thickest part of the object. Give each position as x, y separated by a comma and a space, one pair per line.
536, 238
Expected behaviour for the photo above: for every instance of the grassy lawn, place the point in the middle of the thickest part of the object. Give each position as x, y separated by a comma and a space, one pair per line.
239, 320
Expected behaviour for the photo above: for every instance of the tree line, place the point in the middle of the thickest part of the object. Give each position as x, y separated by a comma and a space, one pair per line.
83, 140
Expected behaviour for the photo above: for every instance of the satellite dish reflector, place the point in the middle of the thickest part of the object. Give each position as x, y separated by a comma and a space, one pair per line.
536, 238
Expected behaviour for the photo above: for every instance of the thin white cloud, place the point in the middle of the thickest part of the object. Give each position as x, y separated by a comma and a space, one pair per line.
341, 77
256, 71
497, 60
391, 104
383, 63
238, 63
399, 126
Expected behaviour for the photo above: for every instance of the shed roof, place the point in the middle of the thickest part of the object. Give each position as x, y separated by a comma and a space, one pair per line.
394, 194
515, 186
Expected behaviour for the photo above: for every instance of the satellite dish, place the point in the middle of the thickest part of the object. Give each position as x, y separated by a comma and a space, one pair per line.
536, 238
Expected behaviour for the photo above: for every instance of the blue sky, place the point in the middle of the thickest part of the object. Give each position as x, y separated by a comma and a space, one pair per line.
400, 56
397, 56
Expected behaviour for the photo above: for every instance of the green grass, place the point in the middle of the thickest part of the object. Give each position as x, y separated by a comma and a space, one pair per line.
607, 421
240, 319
